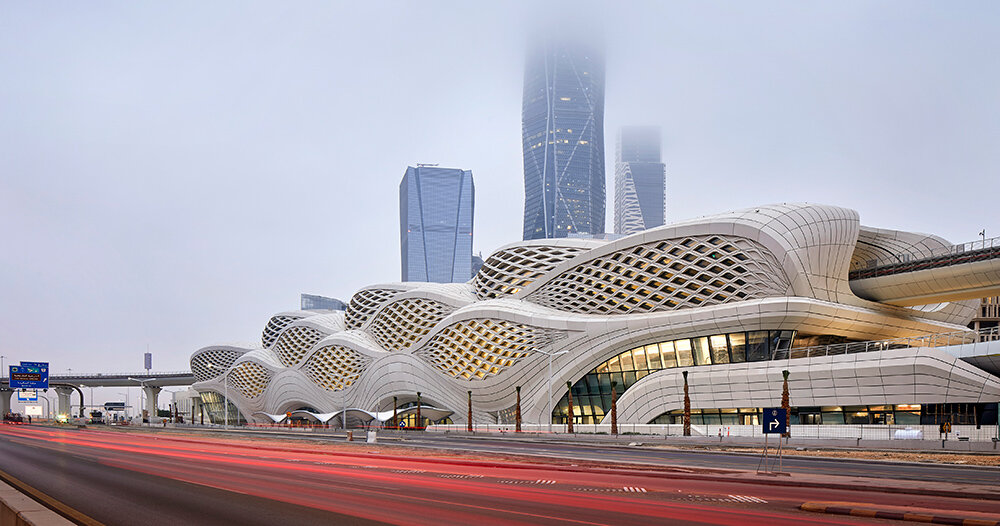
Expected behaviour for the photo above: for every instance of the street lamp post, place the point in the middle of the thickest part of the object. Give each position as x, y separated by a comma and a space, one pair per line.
142, 387
225, 408
550, 354
126, 401
48, 406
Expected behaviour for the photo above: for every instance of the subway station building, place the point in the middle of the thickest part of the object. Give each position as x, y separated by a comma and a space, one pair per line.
868, 332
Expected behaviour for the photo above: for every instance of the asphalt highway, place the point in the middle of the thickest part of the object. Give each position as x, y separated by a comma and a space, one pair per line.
151, 479
716, 459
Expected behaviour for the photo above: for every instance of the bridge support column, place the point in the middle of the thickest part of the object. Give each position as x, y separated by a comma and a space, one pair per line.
152, 393
63, 394
5, 395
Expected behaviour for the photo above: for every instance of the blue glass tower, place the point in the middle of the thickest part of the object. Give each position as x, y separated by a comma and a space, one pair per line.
562, 131
435, 224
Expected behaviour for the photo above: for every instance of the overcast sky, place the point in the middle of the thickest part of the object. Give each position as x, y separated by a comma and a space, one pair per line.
173, 173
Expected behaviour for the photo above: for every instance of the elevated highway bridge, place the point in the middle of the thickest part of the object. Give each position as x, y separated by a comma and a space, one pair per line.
65, 384
961, 272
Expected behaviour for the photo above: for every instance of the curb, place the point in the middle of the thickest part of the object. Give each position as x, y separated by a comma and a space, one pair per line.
52, 505
821, 507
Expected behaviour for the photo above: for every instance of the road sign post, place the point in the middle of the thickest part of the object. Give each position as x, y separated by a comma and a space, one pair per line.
774, 422
29, 375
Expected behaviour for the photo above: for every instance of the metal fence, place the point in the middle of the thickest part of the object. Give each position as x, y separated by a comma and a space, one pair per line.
929, 340
856, 432
903, 259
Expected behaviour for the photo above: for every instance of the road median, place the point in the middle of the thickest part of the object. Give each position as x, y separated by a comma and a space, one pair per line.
894, 513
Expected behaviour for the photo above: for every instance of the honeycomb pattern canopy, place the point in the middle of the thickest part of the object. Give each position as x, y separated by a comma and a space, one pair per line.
666, 275
294, 343
478, 349
365, 303
508, 271
335, 367
212, 363
250, 378
404, 322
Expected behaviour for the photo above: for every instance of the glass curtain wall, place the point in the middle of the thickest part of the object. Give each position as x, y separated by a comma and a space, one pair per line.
592, 393
213, 403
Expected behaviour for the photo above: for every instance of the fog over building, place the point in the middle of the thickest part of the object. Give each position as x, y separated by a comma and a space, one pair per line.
640, 180
435, 224
562, 131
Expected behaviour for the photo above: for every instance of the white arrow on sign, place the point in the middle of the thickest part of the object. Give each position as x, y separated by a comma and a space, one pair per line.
774, 424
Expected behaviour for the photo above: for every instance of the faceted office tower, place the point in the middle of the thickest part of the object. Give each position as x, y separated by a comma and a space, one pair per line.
435, 224
562, 132
640, 180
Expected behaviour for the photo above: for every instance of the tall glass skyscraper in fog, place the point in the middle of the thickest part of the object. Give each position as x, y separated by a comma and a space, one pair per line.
435, 224
640, 180
562, 132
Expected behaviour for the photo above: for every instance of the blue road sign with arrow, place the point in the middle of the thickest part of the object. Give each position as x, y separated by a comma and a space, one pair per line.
775, 421
29, 375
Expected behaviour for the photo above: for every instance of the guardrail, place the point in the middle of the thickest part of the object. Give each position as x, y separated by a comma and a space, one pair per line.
142, 375
911, 261
929, 340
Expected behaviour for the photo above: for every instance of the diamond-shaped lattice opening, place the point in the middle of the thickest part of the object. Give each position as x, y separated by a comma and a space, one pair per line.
508, 271
667, 275
335, 367
402, 323
250, 378
294, 343
366, 303
274, 327
478, 349
212, 363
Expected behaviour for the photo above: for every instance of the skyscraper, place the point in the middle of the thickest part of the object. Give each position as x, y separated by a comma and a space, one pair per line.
562, 132
435, 224
640, 180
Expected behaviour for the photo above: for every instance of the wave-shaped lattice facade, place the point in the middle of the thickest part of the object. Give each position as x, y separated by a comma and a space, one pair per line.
508, 271
213, 362
335, 367
274, 327
476, 349
294, 343
249, 378
365, 303
713, 296
401, 323
666, 275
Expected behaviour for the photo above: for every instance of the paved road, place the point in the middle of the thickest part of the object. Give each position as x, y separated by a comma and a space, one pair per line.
548, 447
121, 478
717, 459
